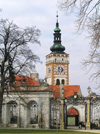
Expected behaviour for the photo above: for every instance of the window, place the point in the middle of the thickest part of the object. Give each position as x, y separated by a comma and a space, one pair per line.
57, 82
33, 112
13, 112
63, 81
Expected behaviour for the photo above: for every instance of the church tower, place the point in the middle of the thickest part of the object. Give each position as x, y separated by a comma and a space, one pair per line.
57, 62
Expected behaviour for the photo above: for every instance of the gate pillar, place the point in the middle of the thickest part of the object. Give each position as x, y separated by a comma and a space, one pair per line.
88, 109
62, 99
88, 115
62, 114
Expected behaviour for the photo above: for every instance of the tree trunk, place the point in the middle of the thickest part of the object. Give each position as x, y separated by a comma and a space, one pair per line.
1, 95
1, 100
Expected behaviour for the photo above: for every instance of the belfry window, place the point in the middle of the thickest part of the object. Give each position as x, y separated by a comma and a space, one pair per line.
57, 82
63, 81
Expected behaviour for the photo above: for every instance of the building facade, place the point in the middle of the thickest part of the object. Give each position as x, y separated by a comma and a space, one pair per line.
29, 103
26, 104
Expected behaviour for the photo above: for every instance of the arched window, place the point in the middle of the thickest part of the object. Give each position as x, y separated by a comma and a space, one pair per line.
63, 81
57, 82
13, 112
33, 110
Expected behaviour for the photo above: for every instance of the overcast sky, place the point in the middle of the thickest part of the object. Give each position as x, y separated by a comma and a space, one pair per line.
42, 14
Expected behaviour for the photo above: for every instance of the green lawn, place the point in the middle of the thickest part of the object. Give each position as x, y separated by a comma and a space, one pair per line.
32, 131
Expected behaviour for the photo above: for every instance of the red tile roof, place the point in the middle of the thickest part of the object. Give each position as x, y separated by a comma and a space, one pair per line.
72, 111
28, 81
56, 90
69, 90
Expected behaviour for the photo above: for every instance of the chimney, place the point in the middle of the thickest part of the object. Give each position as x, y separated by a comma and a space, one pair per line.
34, 76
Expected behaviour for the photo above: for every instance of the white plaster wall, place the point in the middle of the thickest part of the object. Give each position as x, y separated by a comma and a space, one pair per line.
45, 112
49, 81
58, 58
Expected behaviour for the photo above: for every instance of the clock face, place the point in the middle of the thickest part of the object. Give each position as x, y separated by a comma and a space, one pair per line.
49, 69
60, 69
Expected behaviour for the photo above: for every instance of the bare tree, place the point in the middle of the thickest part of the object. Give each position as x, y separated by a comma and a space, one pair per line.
93, 59
15, 55
84, 10
88, 17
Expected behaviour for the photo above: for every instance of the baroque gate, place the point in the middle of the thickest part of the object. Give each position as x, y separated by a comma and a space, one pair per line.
75, 112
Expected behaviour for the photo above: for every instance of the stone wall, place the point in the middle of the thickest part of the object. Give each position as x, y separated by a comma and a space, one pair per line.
23, 112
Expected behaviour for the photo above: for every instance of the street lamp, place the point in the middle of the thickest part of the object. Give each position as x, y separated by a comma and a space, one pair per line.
75, 95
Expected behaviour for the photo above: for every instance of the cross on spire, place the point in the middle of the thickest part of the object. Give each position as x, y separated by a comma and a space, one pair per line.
57, 16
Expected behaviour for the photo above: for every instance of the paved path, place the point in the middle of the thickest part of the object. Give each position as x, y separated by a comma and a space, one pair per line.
82, 130
92, 131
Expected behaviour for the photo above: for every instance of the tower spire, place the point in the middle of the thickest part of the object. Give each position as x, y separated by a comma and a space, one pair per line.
57, 46
57, 24
57, 16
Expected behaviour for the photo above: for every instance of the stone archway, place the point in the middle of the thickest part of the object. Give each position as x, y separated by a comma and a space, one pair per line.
72, 117
33, 112
12, 112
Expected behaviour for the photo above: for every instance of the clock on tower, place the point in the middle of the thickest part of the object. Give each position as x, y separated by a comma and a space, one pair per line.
60, 69
57, 62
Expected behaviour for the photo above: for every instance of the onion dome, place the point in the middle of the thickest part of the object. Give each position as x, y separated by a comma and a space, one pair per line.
57, 46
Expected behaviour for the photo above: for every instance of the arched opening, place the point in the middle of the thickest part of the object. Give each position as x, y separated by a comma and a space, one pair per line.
33, 112
57, 82
72, 117
12, 112
55, 114
63, 81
